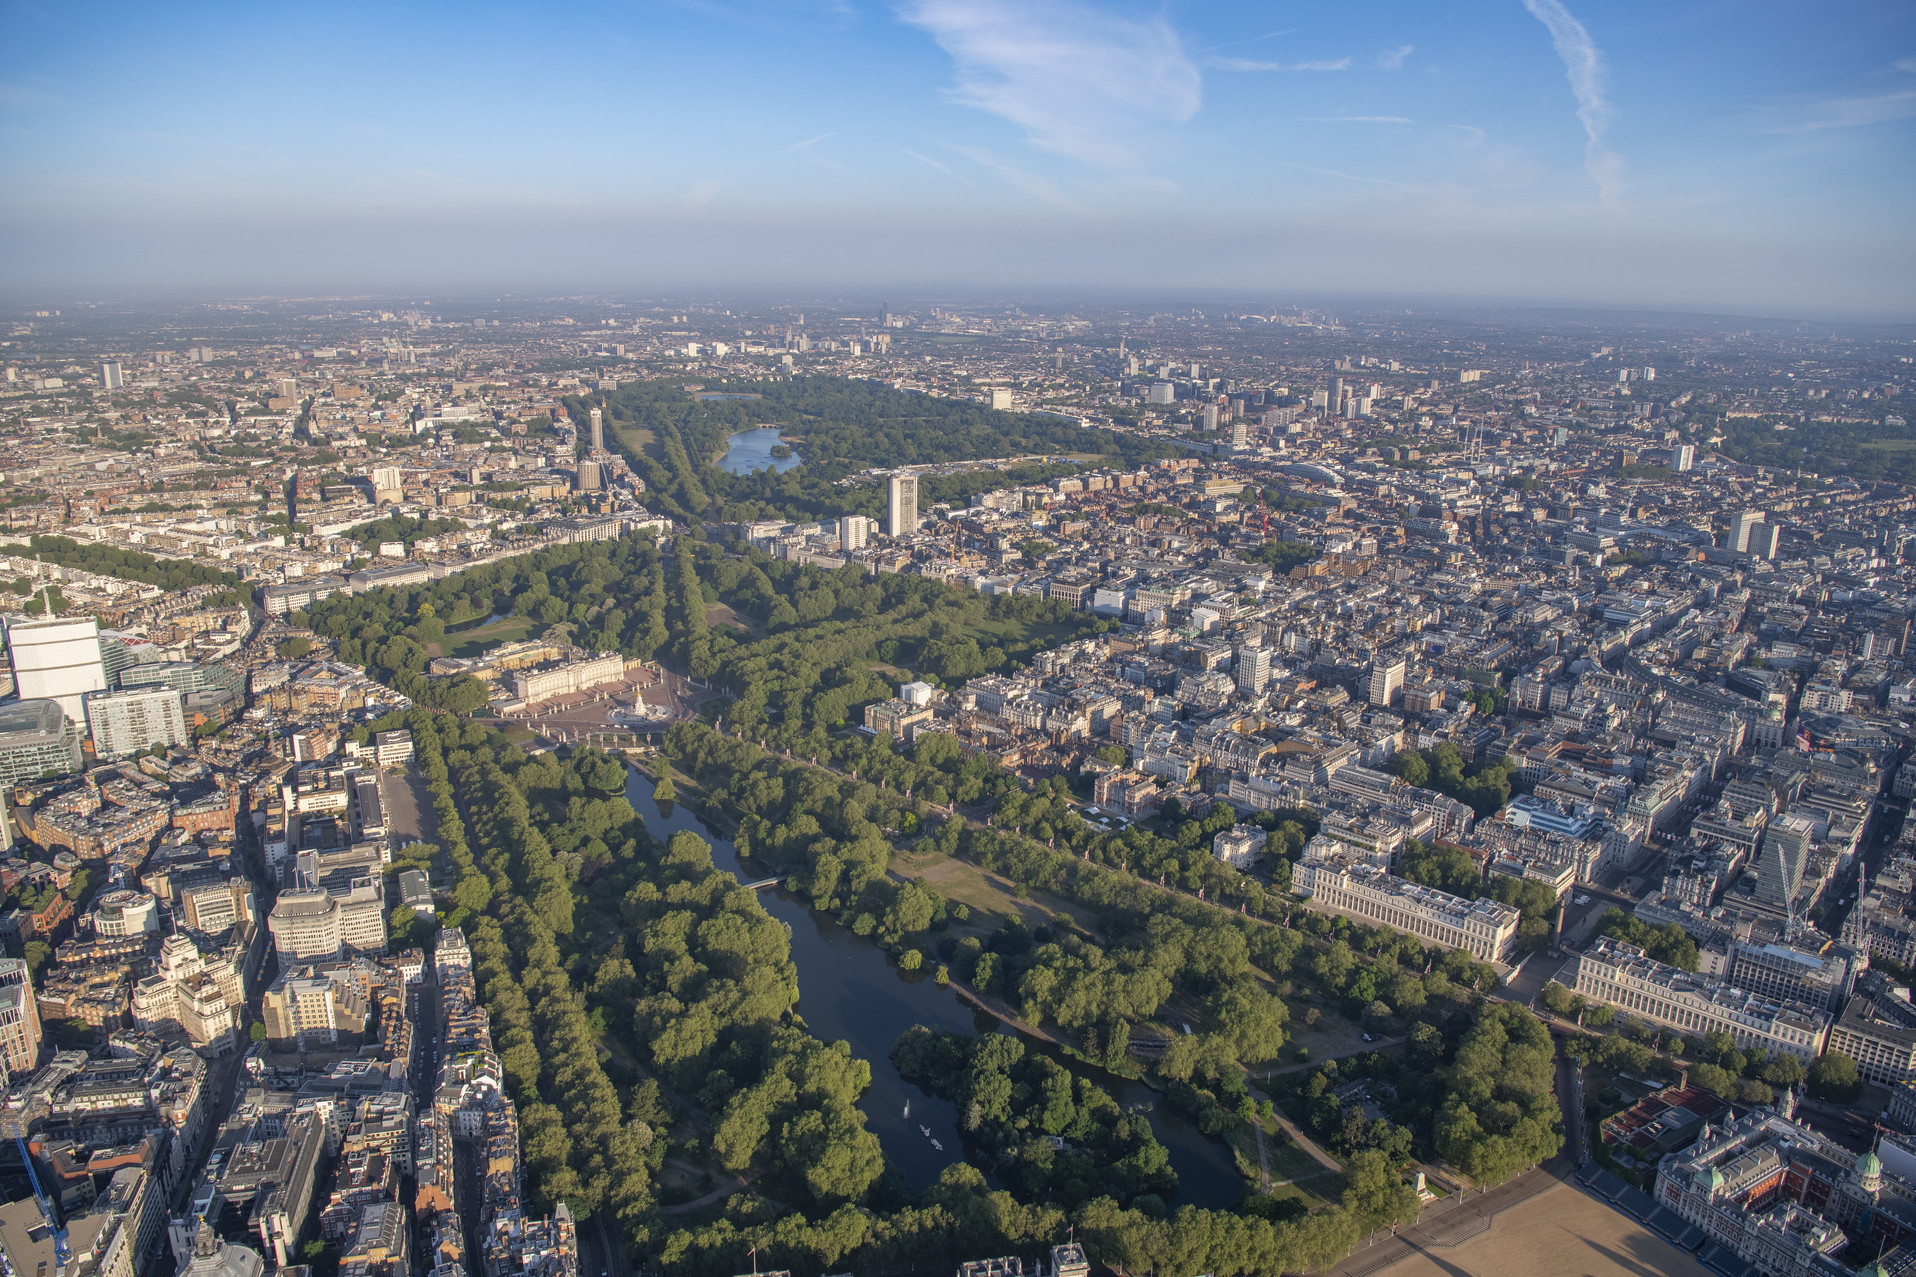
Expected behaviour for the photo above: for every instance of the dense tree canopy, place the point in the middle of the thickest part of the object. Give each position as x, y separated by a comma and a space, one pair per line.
839, 427
402, 528
1500, 1115
1484, 787
1016, 1108
584, 928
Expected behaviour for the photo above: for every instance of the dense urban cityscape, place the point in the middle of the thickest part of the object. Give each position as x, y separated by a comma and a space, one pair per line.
541, 786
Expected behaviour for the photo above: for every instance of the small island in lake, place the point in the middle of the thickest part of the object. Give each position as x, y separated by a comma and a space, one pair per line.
781, 450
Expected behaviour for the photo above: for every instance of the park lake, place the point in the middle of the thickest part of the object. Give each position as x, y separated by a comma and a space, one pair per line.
851, 991
750, 450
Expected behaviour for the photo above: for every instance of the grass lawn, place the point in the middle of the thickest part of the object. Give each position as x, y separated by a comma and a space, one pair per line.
992, 899
1331, 1035
1318, 1190
473, 642
1288, 1159
1294, 1172
638, 438
717, 614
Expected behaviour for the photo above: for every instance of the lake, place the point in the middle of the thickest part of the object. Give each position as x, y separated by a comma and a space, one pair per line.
850, 990
750, 450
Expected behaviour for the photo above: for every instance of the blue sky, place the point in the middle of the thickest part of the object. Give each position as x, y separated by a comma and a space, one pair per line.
1669, 152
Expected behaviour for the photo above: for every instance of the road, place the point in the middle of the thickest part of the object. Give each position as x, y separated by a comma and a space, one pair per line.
1570, 1099
1885, 826
423, 1076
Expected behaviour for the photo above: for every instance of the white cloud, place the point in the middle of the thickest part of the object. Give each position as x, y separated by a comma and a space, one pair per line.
1075, 80
1393, 59
926, 159
702, 193
1246, 64
1355, 119
1904, 64
1851, 113
809, 142
1589, 84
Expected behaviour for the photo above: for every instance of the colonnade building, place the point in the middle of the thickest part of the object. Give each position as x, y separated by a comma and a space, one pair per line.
1628, 979
1364, 891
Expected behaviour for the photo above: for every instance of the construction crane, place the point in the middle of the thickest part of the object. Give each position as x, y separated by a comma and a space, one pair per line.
62, 1255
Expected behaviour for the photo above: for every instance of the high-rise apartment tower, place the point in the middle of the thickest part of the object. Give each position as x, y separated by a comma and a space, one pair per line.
902, 505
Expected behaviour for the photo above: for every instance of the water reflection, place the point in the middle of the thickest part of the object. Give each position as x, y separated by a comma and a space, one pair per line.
751, 450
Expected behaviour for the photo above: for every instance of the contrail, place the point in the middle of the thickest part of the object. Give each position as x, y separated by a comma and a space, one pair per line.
1589, 82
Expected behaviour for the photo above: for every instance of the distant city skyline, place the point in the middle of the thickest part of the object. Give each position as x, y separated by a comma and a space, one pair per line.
1683, 153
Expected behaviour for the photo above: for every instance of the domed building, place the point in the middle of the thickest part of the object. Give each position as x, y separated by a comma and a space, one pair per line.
1869, 1172
1785, 1198
214, 1256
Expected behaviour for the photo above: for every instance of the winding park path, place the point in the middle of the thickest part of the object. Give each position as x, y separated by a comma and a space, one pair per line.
1303, 1141
719, 1194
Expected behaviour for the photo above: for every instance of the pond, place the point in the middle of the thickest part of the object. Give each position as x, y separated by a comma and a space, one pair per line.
850, 990
750, 450
478, 622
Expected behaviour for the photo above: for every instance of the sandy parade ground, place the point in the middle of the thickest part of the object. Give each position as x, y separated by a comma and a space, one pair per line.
1561, 1232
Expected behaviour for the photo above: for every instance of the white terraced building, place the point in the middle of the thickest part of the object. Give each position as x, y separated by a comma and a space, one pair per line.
1360, 889
1628, 979
533, 686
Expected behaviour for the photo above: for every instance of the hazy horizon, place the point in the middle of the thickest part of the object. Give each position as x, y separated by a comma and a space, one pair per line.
1543, 151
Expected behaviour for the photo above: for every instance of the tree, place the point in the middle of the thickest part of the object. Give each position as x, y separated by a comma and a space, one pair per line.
258, 1031
1447, 868
408, 928
1785, 1071
1668, 944
294, 648
1376, 1193
1714, 1079
1834, 1077
1409, 765
1500, 1116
